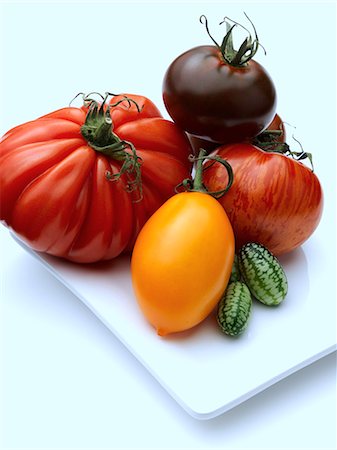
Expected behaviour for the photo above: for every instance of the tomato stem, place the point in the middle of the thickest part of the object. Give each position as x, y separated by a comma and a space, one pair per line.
246, 51
98, 132
197, 185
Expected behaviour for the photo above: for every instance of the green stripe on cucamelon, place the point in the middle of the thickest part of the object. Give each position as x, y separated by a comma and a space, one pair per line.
234, 309
263, 274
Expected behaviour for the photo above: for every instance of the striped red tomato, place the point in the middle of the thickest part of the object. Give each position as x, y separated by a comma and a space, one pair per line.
274, 199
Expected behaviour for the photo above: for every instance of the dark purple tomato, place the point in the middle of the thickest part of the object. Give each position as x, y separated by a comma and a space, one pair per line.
219, 94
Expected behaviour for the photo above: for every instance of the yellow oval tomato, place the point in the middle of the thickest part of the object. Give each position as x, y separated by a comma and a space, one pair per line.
181, 262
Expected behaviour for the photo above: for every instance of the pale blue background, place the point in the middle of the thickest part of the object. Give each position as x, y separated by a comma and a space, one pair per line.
67, 382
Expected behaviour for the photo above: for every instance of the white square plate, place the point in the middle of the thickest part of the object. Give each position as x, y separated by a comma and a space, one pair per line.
206, 372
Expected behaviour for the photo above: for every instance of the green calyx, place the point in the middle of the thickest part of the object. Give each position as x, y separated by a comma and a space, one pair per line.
268, 142
196, 184
246, 51
98, 132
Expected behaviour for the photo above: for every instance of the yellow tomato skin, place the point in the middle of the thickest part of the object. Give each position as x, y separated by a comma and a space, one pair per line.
182, 261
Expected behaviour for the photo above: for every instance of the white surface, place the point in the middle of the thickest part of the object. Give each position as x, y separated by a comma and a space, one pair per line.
242, 367
66, 381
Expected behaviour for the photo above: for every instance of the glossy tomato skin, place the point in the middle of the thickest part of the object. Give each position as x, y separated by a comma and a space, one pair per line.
182, 261
55, 194
274, 200
278, 125
217, 102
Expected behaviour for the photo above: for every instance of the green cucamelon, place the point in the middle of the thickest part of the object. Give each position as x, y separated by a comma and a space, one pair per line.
234, 309
263, 274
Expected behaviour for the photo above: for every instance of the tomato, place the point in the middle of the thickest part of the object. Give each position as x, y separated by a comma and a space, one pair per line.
274, 199
218, 94
182, 260
278, 125
79, 183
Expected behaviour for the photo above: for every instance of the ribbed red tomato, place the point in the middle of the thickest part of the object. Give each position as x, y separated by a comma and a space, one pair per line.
274, 199
79, 183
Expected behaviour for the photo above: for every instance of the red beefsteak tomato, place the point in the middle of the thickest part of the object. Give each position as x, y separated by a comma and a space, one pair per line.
274, 199
80, 183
